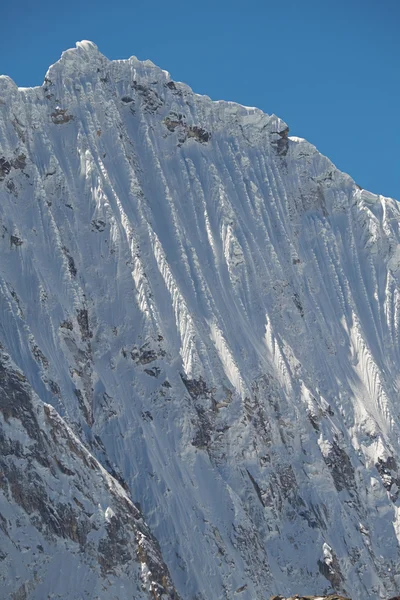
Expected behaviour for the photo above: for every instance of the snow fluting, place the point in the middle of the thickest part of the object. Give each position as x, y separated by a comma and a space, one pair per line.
199, 336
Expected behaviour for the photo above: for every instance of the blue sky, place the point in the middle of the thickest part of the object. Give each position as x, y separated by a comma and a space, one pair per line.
329, 68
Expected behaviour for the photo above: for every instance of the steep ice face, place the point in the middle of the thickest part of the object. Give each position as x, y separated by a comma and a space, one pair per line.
213, 308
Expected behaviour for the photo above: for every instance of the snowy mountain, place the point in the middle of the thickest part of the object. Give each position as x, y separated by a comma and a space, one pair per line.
199, 329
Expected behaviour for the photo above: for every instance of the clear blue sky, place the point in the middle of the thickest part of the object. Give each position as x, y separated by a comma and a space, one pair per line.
329, 68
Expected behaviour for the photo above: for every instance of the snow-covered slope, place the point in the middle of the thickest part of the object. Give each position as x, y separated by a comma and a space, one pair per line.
68, 529
214, 310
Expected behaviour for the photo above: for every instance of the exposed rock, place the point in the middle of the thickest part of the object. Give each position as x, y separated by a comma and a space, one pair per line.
19, 162
146, 354
199, 134
341, 468
154, 372
177, 122
171, 85
282, 143
33, 474
39, 356
150, 98
196, 387
5, 167
71, 262
390, 474
82, 317
99, 224
61, 116
15, 241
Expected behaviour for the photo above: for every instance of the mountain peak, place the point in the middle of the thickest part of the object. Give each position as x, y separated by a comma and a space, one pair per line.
212, 310
78, 61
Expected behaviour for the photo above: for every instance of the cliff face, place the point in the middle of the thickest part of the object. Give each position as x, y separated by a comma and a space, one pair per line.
68, 529
213, 309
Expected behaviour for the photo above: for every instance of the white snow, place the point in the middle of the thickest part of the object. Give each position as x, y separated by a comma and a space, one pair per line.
221, 307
